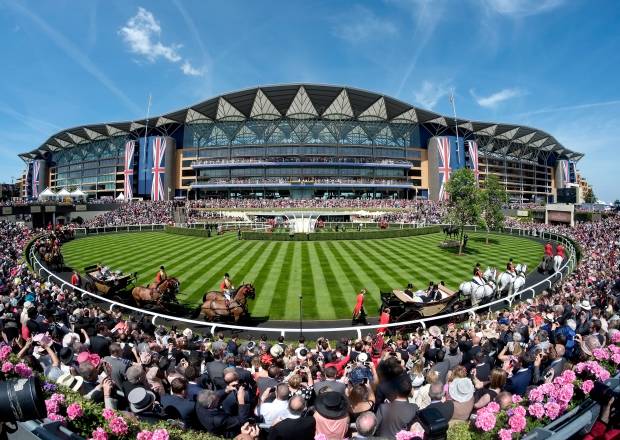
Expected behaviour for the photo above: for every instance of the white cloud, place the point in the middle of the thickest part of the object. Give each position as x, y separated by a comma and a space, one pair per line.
494, 99
142, 34
521, 8
430, 93
364, 25
188, 69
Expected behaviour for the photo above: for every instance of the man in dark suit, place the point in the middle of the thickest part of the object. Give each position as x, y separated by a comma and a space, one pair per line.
214, 419
442, 366
483, 367
98, 343
176, 404
522, 376
436, 393
215, 369
553, 369
297, 426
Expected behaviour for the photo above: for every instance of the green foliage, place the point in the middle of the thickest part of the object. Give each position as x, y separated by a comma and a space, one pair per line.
352, 235
590, 197
461, 431
492, 197
465, 205
189, 231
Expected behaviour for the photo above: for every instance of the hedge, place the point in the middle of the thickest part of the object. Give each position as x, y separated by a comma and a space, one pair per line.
353, 235
190, 231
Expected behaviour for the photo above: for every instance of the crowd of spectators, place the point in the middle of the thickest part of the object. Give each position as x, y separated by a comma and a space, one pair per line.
373, 387
290, 159
136, 213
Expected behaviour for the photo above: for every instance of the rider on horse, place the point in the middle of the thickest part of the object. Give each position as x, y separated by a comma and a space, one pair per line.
510, 268
226, 288
161, 276
478, 276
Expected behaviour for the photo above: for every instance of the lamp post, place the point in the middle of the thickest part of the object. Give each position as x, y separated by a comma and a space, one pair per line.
301, 315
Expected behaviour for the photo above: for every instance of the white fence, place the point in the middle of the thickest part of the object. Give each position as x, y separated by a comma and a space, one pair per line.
567, 267
79, 232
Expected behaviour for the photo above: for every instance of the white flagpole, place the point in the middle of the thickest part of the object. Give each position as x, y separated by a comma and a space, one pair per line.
456, 124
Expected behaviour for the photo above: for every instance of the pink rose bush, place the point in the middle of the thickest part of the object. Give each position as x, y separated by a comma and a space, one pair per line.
543, 403
5, 352
74, 411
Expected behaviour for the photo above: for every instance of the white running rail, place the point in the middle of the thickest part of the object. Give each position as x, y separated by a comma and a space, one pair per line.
568, 266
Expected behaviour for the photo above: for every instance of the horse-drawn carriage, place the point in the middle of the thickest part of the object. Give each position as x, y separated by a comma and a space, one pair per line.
406, 305
110, 285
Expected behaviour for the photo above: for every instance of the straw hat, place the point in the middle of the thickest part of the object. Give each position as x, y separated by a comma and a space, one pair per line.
69, 381
461, 389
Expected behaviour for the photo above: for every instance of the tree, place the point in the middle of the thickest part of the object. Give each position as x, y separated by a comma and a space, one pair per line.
464, 204
590, 197
617, 205
492, 197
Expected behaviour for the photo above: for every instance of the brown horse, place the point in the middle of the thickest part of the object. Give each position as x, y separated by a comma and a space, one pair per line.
165, 292
214, 305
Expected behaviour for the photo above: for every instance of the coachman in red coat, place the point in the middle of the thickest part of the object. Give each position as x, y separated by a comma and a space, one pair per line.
359, 314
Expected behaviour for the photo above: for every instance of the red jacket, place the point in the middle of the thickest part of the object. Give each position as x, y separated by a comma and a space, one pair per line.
560, 250
383, 319
600, 432
360, 303
548, 250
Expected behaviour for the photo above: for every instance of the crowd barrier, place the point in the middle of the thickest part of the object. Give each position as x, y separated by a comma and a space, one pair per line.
567, 267
80, 232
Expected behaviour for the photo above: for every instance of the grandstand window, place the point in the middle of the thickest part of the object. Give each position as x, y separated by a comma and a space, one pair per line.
213, 152
355, 151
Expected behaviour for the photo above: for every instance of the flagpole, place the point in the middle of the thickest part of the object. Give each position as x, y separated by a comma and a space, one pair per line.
456, 124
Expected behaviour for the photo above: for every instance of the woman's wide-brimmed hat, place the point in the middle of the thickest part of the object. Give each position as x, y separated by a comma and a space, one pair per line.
331, 405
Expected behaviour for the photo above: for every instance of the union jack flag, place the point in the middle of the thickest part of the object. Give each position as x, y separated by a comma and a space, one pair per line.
443, 149
128, 171
157, 187
565, 171
36, 168
472, 147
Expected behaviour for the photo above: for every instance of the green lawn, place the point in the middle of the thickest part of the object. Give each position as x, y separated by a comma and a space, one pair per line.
327, 273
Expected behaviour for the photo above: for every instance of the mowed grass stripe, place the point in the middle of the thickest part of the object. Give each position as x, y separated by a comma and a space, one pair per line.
340, 289
322, 297
280, 289
107, 250
370, 264
397, 271
265, 280
352, 275
308, 290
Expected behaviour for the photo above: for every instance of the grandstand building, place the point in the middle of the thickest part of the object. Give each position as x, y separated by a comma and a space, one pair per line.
298, 141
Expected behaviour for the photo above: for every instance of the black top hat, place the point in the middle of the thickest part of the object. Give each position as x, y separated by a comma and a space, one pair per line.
65, 355
331, 405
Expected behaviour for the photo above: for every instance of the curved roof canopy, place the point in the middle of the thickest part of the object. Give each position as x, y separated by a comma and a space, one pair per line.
313, 101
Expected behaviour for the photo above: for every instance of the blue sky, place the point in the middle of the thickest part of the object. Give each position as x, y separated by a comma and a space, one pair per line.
550, 64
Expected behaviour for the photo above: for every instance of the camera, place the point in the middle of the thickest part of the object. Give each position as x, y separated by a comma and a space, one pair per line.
21, 400
602, 394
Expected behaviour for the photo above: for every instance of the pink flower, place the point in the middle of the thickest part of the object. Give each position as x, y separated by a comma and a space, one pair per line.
57, 418
505, 434
108, 413
614, 348
517, 423
519, 410
144, 435
99, 434
601, 353
485, 420
552, 410
569, 376
7, 367
516, 398
5, 352
615, 358
74, 411
52, 406
565, 393
118, 426
587, 386
23, 370
160, 434
493, 407
536, 395
400, 435
57, 397
615, 338
537, 410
